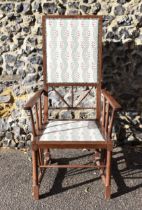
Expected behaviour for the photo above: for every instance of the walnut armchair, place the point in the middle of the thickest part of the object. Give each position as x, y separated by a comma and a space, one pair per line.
72, 57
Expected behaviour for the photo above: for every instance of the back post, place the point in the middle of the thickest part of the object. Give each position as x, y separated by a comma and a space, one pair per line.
98, 93
44, 69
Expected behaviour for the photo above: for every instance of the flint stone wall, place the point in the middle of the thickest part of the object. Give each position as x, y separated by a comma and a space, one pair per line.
21, 62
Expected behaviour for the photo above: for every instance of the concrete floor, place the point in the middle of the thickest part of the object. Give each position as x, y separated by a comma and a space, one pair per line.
71, 189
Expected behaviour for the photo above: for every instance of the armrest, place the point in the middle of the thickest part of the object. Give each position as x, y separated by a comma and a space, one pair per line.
33, 100
111, 100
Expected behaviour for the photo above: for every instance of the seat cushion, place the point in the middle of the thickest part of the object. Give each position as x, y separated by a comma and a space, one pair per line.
71, 131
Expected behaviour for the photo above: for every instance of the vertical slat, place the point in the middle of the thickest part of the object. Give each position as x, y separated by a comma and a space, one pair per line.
72, 96
110, 124
33, 124
40, 112
106, 118
37, 117
103, 112
98, 102
46, 105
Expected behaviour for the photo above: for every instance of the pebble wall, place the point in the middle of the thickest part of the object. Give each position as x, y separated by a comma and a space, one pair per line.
21, 62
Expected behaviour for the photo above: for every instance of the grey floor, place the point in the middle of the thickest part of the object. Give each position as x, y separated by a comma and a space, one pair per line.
71, 189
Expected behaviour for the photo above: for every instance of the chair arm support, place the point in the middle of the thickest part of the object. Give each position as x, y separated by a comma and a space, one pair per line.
32, 101
115, 105
109, 108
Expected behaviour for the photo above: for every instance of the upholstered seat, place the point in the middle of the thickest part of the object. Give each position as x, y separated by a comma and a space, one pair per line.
71, 131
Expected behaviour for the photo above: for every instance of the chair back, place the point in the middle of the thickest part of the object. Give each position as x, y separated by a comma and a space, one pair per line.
72, 52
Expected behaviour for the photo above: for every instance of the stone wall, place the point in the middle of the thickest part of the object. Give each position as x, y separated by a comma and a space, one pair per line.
21, 60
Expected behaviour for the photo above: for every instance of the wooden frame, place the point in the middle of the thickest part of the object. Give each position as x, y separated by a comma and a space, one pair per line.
104, 118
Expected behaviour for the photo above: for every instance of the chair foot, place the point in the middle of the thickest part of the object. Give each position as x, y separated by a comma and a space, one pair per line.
35, 192
107, 192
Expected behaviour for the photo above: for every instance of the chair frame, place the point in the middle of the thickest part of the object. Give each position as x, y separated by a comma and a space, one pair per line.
41, 159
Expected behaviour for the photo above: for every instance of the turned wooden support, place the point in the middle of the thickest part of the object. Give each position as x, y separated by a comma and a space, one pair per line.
109, 107
35, 175
108, 175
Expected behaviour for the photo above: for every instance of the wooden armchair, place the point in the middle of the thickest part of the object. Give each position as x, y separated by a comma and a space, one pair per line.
72, 57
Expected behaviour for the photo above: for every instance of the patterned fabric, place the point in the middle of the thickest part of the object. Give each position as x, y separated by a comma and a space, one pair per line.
72, 50
71, 131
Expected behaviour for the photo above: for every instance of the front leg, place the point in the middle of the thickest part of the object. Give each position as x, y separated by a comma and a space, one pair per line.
108, 175
35, 174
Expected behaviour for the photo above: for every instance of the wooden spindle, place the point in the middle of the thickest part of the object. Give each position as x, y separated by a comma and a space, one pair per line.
103, 112
106, 119
37, 117
72, 96
111, 123
98, 102
40, 113
33, 124
46, 105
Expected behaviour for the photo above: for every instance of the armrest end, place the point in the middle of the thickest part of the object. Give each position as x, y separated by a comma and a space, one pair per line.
111, 100
31, 102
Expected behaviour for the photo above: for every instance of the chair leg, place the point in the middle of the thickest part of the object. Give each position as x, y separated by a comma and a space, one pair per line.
108, 175
35, 175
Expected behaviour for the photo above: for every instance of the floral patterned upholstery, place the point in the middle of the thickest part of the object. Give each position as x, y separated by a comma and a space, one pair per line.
72, 50
71, 131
